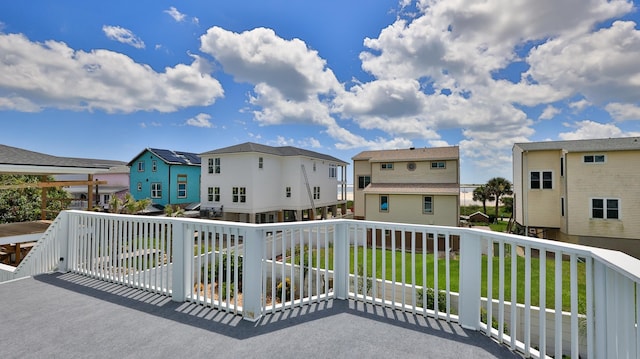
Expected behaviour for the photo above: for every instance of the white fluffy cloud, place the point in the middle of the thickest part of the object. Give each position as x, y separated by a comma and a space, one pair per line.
36, 75
123, 35
200, 120
549, 112
175, 14
590, 129
623, 111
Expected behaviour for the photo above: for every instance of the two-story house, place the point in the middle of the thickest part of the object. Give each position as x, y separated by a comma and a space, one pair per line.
584, 191
256, 183
165, 176
415, 185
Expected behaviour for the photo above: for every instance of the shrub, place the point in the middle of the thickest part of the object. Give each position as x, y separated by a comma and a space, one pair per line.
287, 290
429, 303
226, 277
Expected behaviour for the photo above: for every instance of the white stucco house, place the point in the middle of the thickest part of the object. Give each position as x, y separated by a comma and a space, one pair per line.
256, 183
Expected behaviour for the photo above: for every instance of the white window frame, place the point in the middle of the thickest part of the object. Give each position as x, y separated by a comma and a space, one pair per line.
316, 192
386, 166
216, 165
287, 192
182, 186
605, 208
141, 166
594, 159
333, 171
239, 194
139, 186
438, 165
154, 166
210, 165
210, 194
156, 190
260, 162
541, 180
424, 208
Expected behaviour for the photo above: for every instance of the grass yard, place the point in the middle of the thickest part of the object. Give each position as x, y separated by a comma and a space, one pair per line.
395, 272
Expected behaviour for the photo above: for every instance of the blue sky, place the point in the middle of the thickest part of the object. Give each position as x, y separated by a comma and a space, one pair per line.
108, 79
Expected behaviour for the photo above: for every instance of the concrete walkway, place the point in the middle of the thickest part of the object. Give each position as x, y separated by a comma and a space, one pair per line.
71, 316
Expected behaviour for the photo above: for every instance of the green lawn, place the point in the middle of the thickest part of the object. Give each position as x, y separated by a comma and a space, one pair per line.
391, 271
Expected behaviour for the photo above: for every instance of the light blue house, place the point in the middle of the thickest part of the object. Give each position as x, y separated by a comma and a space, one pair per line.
165, 176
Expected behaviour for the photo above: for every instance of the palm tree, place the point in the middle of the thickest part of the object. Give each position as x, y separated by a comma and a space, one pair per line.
482, 194
499, 186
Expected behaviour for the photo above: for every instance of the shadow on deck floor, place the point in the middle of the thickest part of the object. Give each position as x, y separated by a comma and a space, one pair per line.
72, 316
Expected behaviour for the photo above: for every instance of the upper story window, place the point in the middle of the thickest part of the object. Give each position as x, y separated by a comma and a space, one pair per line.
363, 181
541, 180
314, 166
333, 171
605, 208
316, 192
154, 165
386, 166
438, 165
216, 165
561, 166
287, 192
384, 203
210, 165
213, 194
594, 159
139, 186
141, 166
260, 162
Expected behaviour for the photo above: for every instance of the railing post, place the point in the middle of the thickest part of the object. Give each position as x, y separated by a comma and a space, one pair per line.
63, 237
254, 248
341, 260
181, 278
470, 278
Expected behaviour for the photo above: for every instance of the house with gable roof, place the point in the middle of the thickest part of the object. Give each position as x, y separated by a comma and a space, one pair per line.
255, 183
415, 185
165, 176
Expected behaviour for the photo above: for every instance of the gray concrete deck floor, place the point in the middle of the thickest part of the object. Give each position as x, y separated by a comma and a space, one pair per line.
72, 316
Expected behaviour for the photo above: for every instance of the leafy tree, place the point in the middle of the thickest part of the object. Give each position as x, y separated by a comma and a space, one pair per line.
508, 204
129, 205
24, 204
498, 187
482, 194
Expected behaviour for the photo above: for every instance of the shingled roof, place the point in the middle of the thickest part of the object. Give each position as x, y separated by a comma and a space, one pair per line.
171, 157
603, 144
410, 154
18, 160
277, 151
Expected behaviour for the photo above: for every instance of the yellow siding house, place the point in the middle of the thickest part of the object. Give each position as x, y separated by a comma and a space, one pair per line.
584, 191
416, 185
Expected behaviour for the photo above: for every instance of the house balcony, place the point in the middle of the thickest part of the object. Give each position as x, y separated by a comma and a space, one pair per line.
335, 286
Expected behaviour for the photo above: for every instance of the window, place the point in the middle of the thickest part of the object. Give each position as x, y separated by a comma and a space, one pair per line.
561, 166
239, 194
333, 171
314, 167
210, 163
216, 194
363, 181
154, 165
605, 208
139, 186
287, 192
427, 204
156, 190
210, 194
182, 186
594, 159
438, 165
316, 192
386, 166
260, 162
216, 164
562, 206
140, 166
384, 203
543, 179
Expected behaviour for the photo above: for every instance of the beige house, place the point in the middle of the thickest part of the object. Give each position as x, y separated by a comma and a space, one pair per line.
416, 185
585, 191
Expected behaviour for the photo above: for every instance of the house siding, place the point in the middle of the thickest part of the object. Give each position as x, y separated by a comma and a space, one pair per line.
405, 208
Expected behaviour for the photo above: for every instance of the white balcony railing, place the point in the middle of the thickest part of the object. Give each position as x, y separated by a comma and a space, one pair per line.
538, 297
